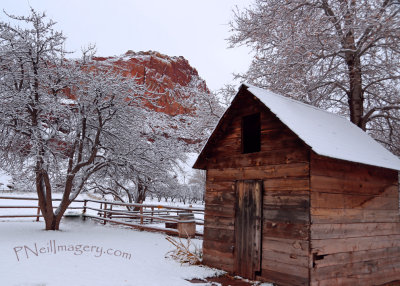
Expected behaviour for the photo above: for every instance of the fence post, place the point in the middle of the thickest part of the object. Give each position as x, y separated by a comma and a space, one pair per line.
152, 214
110, 214
84, 209
38, 211
141, 213
105, 213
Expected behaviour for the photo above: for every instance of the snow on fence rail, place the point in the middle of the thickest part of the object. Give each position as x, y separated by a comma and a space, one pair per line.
180, 221
36, 207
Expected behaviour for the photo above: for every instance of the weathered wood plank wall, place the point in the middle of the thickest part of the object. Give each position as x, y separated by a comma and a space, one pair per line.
325, 221
283, 165
355, 230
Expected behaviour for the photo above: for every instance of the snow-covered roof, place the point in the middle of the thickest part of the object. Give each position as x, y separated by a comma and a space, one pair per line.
326, 133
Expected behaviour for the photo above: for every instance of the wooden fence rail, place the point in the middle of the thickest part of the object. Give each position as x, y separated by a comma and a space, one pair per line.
178, 220
37, 208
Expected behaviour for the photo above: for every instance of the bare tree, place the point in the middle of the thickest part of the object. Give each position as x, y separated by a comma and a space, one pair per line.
60, 121
197, 184
151, 162
338, 55
148, 163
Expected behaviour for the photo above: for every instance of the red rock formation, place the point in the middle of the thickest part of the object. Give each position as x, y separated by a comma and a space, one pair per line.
163, 74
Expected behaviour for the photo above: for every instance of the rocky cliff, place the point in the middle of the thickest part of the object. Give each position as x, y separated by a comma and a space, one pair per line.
169, 78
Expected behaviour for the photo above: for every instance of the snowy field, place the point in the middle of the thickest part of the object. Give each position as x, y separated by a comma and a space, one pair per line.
86, 253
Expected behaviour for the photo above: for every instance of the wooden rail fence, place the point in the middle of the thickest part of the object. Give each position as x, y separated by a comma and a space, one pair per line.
180, 221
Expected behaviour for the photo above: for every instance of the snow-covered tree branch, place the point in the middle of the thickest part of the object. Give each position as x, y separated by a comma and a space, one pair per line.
61, 121
337, 55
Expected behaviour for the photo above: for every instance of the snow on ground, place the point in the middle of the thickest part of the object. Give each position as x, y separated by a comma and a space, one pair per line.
86, 253
175, 203
5, 179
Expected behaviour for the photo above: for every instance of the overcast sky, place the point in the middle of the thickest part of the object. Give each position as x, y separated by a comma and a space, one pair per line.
194, 29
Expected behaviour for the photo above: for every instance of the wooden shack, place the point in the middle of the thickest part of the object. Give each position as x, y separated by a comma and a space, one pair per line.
296, 195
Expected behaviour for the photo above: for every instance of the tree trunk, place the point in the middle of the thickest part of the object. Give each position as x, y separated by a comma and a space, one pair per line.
45, 200
141, 194
43, 188
353, 61
52, 221
356, 98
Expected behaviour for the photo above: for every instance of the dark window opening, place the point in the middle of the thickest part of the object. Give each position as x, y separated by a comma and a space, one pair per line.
251, 133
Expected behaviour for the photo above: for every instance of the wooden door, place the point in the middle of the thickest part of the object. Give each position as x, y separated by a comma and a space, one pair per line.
248, 231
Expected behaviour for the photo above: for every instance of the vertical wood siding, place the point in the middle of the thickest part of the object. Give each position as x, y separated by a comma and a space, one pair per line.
248, 228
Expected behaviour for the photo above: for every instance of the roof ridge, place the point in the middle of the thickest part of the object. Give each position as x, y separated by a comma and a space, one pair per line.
331, 136
296, 101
